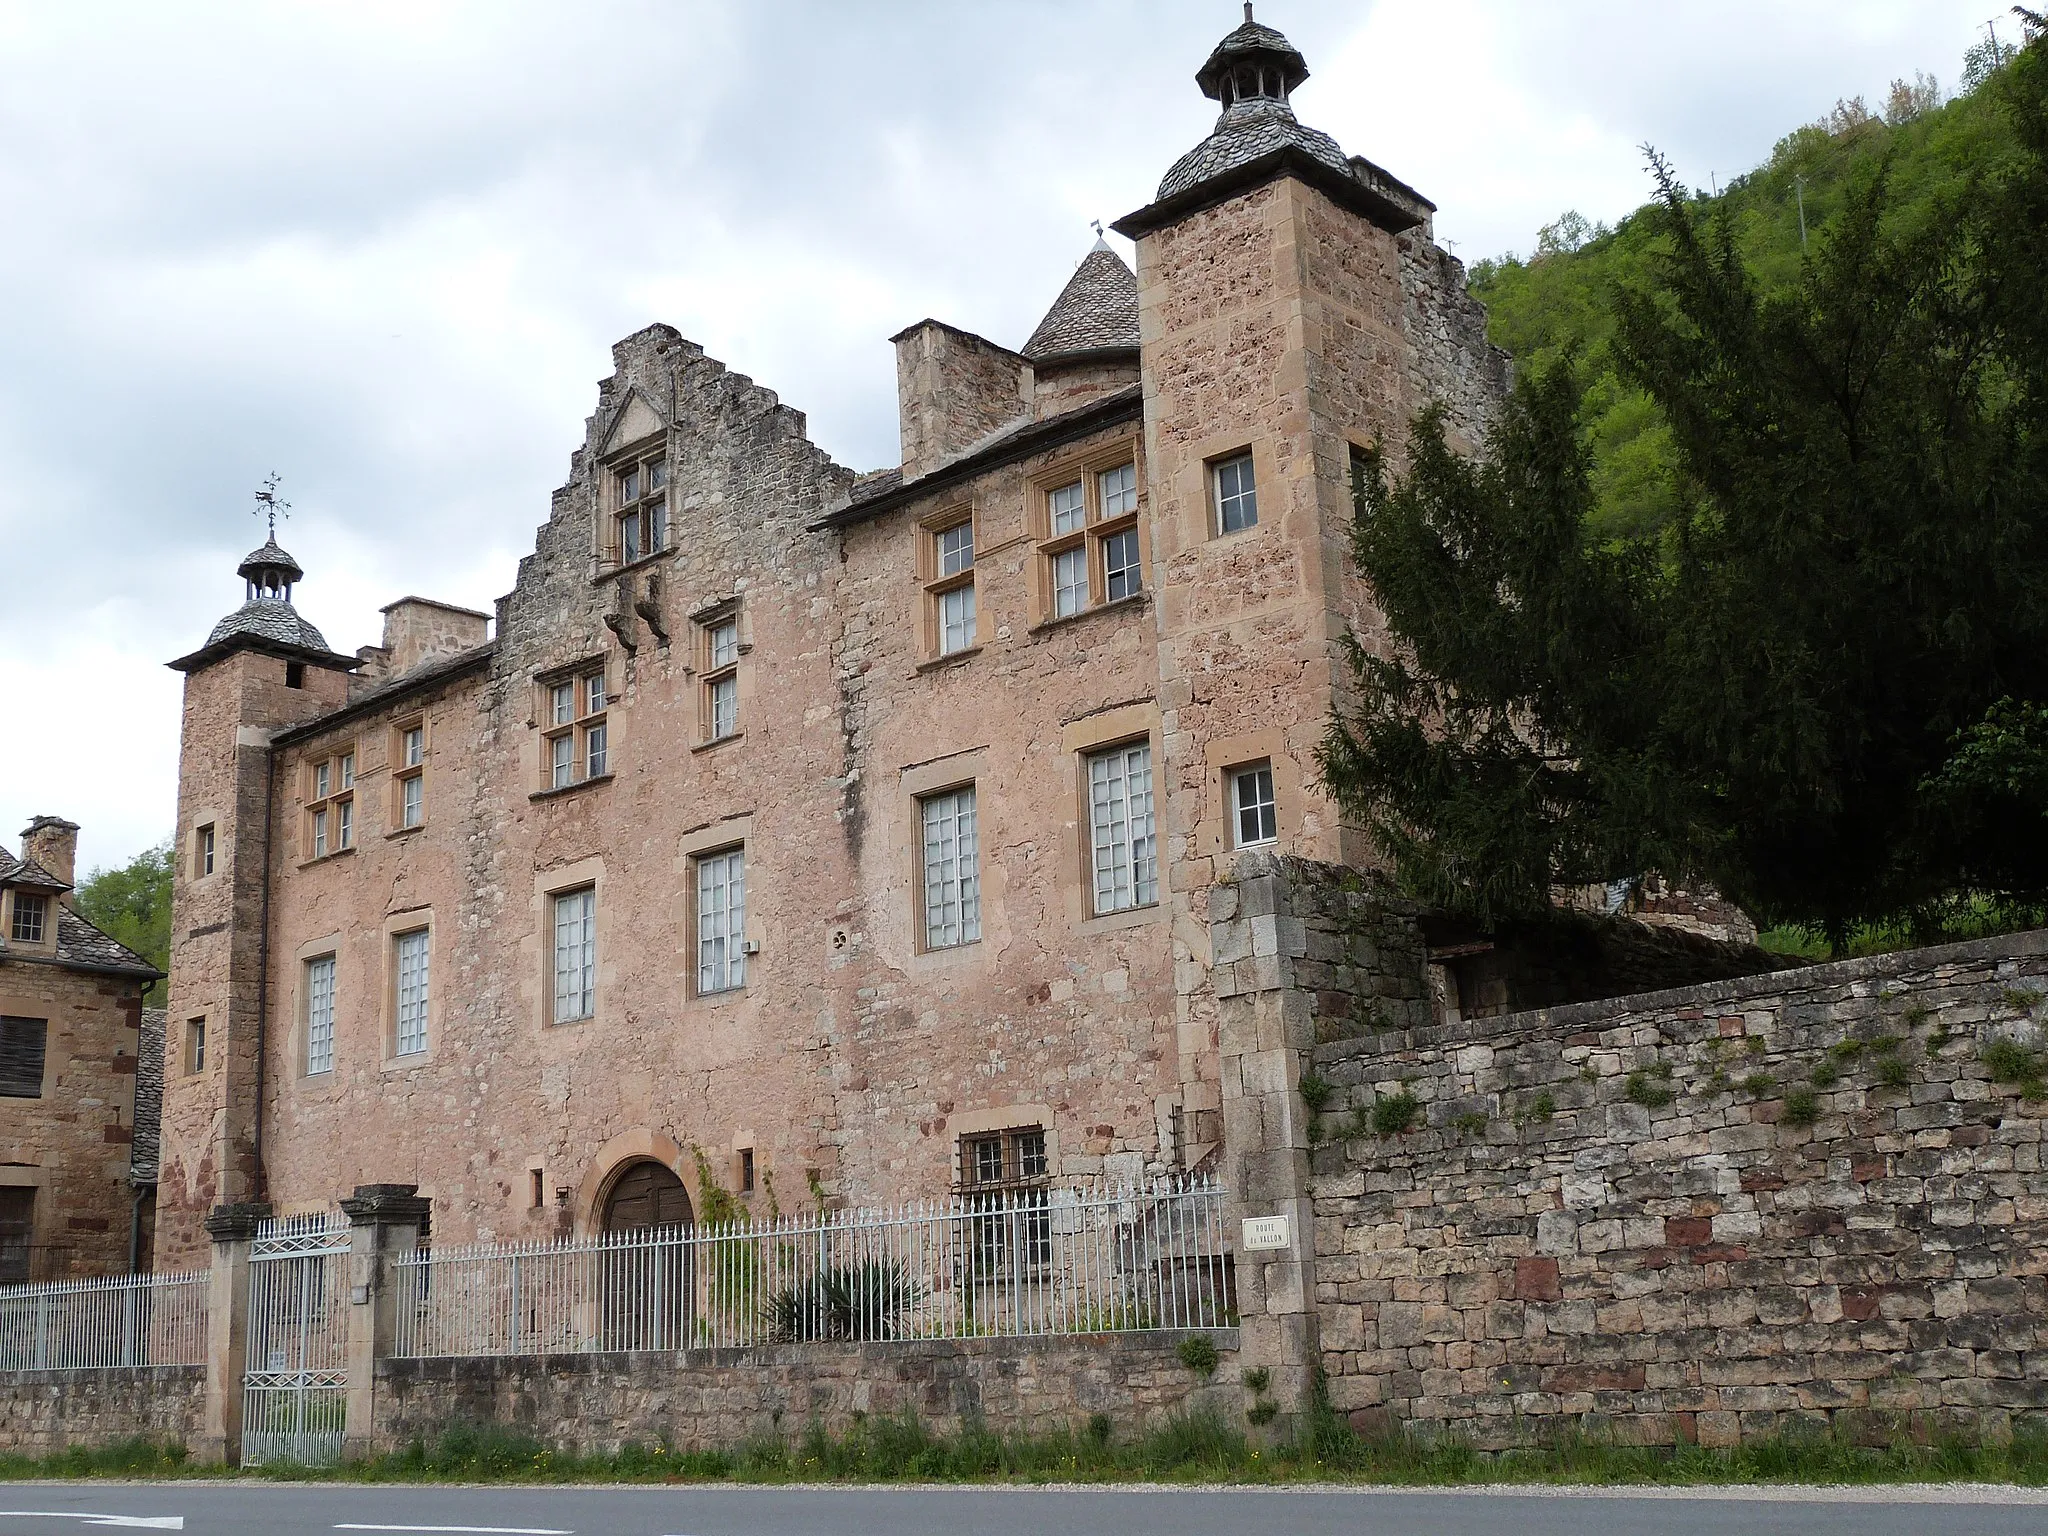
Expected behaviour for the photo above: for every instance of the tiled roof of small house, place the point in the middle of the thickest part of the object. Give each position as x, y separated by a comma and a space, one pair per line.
1096, 312
79, 943
149, 1097
27, 872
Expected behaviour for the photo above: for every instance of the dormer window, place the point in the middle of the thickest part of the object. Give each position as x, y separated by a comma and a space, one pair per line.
31, 917
640, 507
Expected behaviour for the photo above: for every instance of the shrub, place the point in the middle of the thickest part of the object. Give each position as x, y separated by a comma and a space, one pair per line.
1542, 1107
1471, 1124
1647, 1087
1316, 1091
853, 1302
1256, 1381
1802, 1107
1825, 1074
1893, 1072
1198, 1353
1757, 1084
2010, 1062
1395, 1113
1262, 1412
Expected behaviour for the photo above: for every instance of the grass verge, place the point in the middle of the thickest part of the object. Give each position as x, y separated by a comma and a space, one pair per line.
1194, 1448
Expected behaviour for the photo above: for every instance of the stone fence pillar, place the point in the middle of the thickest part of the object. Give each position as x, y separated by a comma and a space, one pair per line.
233, 1230
1265, 1028
384, 1223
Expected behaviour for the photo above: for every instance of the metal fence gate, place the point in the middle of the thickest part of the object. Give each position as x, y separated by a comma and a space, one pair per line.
295, 1380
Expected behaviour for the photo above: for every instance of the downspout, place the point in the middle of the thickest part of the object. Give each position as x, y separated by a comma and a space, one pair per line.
263, 964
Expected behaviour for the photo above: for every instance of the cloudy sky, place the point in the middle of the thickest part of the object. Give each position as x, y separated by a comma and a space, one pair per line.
383, 247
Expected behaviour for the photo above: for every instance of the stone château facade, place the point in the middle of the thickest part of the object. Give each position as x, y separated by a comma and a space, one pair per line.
820, 834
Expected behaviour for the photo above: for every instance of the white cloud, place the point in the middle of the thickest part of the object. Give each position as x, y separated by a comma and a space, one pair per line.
384, 248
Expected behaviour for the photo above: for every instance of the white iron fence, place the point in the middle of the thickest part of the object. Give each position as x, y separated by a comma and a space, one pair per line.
295, 1380
90, 1325
999, 1264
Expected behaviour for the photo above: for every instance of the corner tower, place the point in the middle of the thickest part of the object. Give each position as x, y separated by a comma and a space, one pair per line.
262, 668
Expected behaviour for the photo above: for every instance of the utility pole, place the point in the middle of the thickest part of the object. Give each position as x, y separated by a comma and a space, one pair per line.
1799, 191
1997, 48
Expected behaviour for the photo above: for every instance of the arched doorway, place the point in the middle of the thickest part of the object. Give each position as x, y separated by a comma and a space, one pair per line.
646, 1271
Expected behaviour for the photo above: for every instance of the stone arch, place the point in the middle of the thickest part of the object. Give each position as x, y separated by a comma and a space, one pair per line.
614, 1158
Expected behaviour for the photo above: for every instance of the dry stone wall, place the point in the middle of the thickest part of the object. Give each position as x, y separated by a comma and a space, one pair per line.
1698, 1214
44, 1412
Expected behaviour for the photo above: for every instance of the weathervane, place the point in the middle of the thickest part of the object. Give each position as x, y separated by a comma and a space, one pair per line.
269, 504
1098, 227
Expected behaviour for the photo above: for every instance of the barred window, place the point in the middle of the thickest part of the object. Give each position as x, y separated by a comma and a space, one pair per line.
952, 876
1123, 839
721, 921
575, 955
412, 992
320, 1015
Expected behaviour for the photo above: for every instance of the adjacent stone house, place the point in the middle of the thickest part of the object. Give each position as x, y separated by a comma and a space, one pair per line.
70, 1016
821, 834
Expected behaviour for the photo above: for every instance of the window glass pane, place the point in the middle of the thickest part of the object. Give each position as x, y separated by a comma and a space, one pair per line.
721, 921
320, 782
1030, 1154
629, 537
629, 485
412, 802
415, 743
1237, 502
952, 870
657, 527
561, 704
725, 644
594, 697
412, 992
657, 474
1257, 818
320, 1014
725, 707
1122, 830
345, 824
348, 770
956, 549
1069, 582
1120, 572
1119, 488
595, 756
29, 910
956, 620
1069, 508
319, 834
988, 1160
562, 760
575, 956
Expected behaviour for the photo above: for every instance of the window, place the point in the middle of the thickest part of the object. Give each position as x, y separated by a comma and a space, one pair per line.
1237, 499
31, 917
319, 834
1005, 1173
411, 757
412, 992
640, 507
320, 1015
1251, 801
952, 877
1090, 547
721, 921
21, 1057
1122, 838
202, 852
195, 1045
575, 925
17, 1234
575, 741
746, 1170
720, 662
295, 674
949, 585
1361, 474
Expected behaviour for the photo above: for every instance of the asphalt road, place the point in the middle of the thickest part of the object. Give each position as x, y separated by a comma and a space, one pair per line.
258, 1509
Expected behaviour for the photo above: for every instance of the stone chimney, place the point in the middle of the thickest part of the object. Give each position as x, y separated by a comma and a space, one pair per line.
52, 842
953, 389
418, 629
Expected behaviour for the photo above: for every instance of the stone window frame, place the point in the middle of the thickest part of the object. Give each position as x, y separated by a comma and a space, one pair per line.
1119, 725
328, 822
715, 672
654, 501
733, 833
395, 926
1093, 534
404, 772
585, 874
588, 724
326, 947
1215, 830
938, 584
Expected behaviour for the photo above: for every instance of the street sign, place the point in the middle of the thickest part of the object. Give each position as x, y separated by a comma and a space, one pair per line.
1264, 1234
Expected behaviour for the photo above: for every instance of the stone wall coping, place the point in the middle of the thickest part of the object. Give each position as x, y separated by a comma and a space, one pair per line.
1708, 996
95, 1377
237, 1222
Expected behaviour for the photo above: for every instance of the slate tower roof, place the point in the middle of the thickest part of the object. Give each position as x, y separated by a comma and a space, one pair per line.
1097, 312
267, 620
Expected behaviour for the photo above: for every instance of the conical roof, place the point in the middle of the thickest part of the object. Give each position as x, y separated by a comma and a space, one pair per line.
1249, 130
1254, 43
1096, 312
272, 619
270, 557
